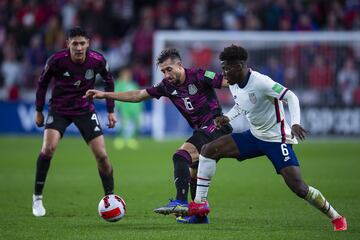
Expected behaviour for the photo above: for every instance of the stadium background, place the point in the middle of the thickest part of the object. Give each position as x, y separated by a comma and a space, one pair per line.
324, 74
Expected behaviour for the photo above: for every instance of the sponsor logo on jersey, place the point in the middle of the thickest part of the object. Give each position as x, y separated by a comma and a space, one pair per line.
89, 74
66, 74
209, 74
192, 89
277, 88
252, 98
174, 92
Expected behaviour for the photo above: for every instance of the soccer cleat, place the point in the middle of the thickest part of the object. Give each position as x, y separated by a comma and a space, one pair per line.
199, 209
176, 207
192, 220
37, 207
339, 224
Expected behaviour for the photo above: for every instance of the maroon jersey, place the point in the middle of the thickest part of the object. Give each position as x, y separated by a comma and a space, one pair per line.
71, 81
195, 98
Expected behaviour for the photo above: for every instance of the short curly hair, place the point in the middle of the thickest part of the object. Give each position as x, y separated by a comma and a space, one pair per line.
171, 53
233, 53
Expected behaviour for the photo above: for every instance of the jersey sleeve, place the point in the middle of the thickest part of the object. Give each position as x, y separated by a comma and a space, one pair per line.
109, 84
211, 78
273, 89
157, 91
43, 83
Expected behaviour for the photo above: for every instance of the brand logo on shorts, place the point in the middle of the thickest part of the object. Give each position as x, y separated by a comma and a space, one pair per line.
192, 89
252, 98
287, 158
50, 119
96, 129
89, 74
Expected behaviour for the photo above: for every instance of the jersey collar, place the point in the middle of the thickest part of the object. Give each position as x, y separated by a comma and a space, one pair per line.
243, 84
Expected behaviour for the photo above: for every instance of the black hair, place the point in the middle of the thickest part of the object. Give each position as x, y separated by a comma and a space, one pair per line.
171, 53
234, 53
77, 32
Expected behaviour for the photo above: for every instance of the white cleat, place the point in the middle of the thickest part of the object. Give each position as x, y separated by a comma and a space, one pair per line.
37, 207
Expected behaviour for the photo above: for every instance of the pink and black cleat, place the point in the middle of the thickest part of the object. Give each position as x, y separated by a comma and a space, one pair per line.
339, 224
199, 209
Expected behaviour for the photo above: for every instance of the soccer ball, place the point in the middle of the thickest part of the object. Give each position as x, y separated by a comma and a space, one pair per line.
112, 208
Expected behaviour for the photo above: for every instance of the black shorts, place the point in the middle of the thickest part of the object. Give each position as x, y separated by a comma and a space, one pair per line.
201, 137
88, 124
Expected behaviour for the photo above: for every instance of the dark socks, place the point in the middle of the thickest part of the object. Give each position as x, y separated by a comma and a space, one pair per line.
42, 167
193, 182
181, 161
107, 182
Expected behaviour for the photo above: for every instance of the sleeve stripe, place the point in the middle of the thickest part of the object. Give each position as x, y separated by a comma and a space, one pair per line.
283, 94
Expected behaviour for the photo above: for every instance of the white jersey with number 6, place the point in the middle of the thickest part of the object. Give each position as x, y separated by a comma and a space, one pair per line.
261, 102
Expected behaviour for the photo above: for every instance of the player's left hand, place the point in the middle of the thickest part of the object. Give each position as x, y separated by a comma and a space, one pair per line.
298, 131
112, 120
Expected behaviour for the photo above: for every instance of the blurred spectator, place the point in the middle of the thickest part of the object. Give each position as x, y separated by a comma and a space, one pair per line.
34, 58
348, 80
69, 12
291, 75
118, 53
11, 72
274, 70
201, 56
305, 23
320, 75
143, 37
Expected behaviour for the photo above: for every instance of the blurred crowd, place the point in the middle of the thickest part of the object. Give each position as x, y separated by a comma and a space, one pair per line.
31, 30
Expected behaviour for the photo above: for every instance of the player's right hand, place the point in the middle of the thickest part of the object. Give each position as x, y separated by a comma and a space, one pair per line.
92, 94
39, 119
221, 121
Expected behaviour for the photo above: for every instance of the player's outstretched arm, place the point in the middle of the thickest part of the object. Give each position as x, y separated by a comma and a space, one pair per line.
130, 96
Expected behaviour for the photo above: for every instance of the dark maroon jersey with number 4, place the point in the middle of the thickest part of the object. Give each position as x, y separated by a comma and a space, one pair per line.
71, 81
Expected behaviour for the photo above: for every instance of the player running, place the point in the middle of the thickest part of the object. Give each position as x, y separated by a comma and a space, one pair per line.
192, 92
74, 71
259, 98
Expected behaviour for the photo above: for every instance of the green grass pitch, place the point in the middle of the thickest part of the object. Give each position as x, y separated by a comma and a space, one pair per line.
248, 199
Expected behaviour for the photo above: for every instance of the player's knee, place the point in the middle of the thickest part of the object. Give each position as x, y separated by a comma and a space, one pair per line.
102, 159
48, 150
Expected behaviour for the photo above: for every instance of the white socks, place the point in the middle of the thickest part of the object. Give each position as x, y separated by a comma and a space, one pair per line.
206, 171
315, 198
